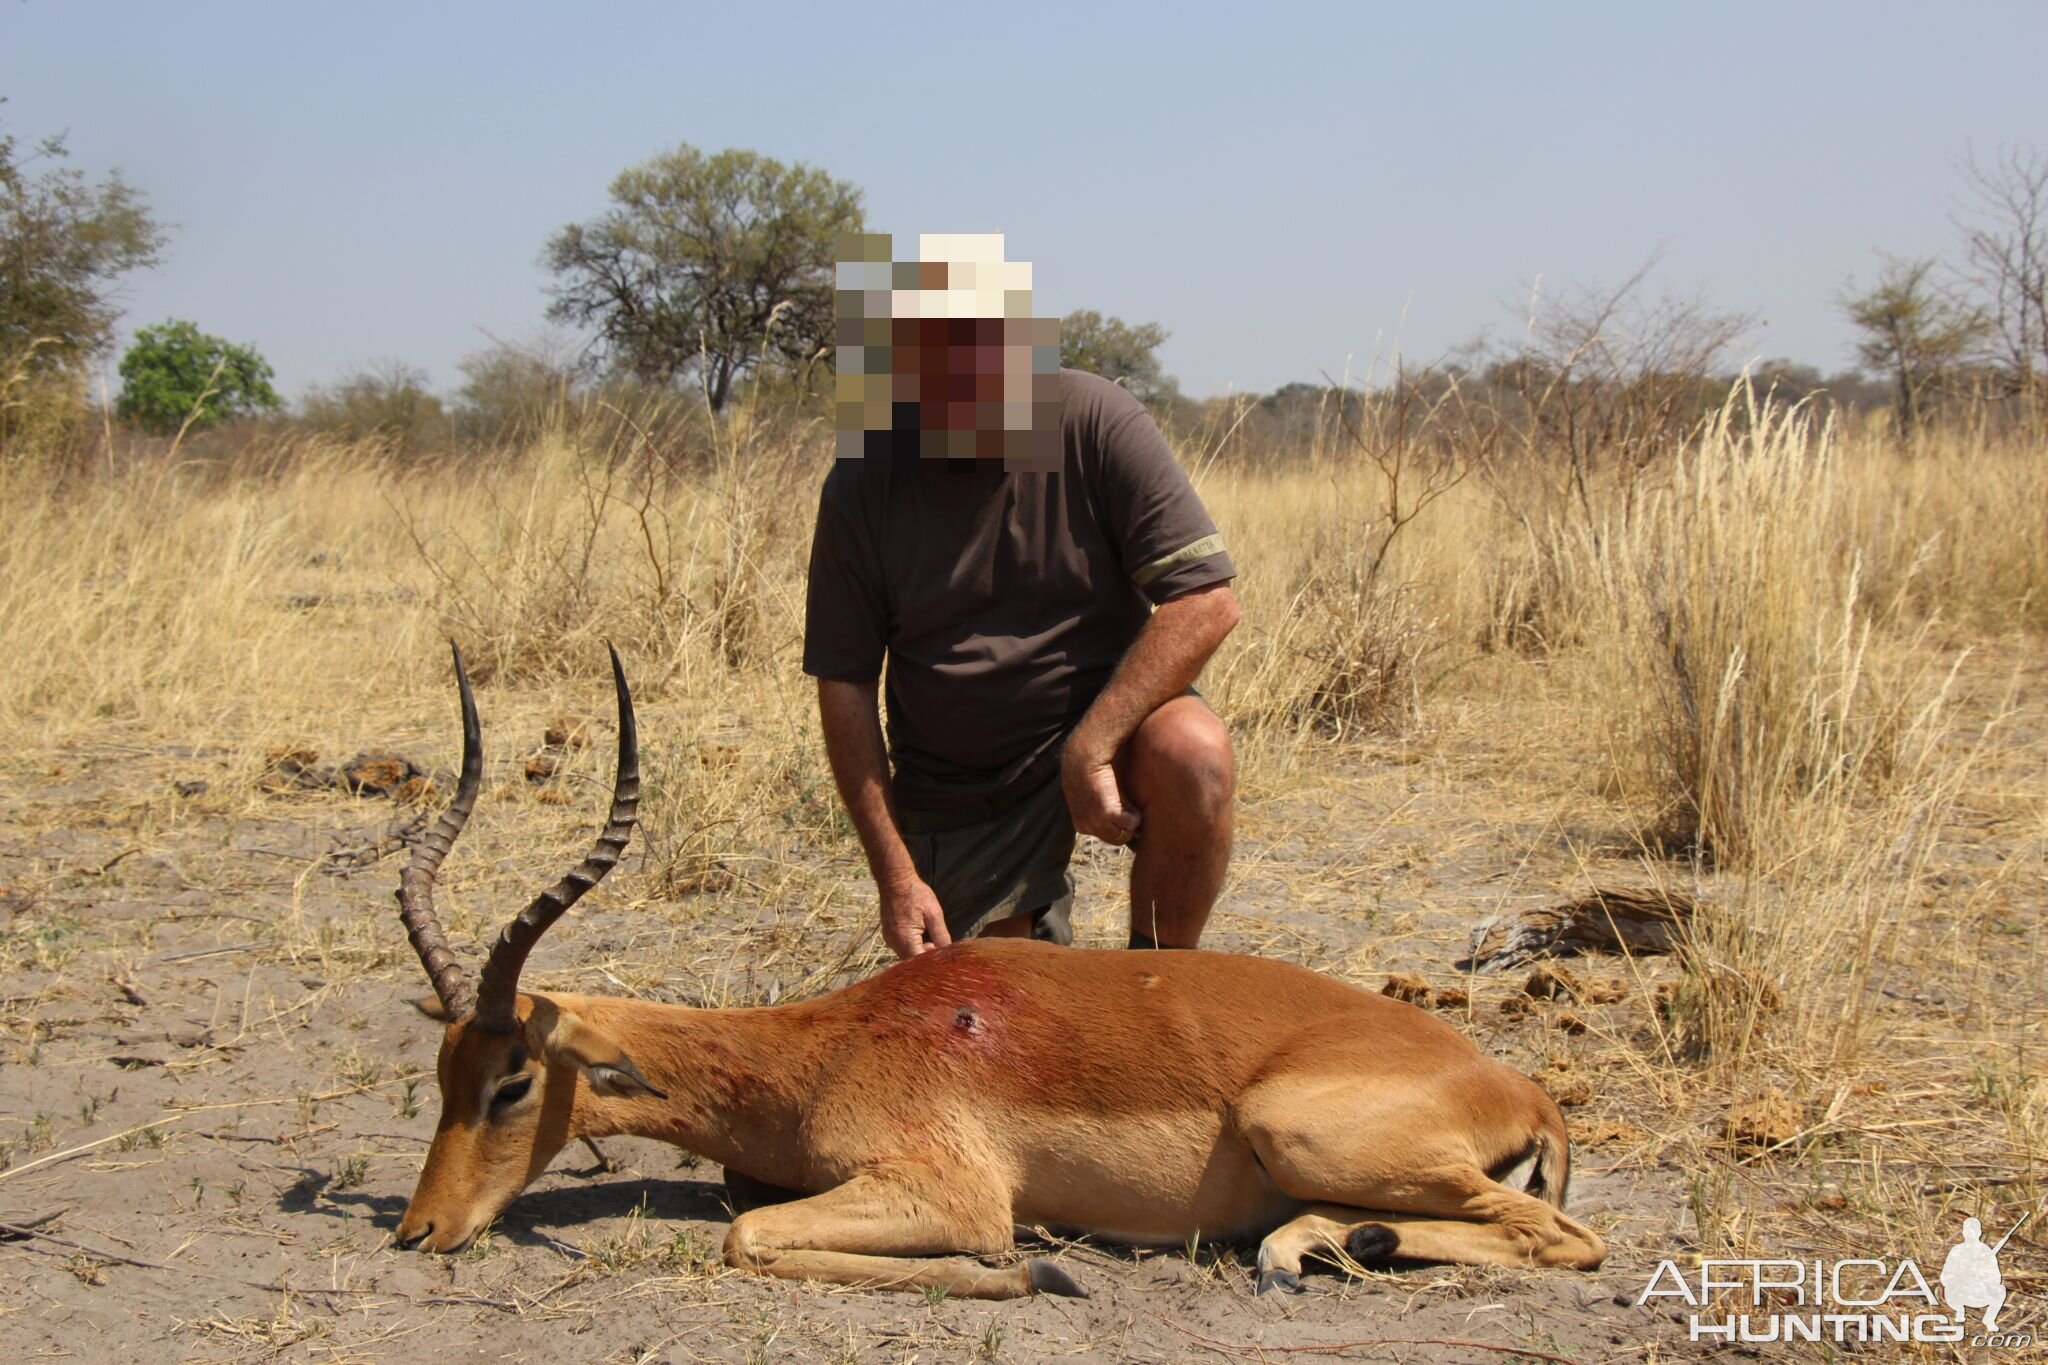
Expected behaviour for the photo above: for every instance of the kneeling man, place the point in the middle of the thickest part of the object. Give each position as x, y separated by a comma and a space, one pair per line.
1042, 620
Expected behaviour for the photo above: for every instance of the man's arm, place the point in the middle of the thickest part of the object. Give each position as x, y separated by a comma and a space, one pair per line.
1162, 663
912, 920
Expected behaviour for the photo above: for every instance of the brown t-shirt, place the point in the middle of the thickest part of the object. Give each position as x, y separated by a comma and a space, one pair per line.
1002, 599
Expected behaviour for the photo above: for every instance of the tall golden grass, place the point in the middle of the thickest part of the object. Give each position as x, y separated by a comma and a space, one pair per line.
1760, 624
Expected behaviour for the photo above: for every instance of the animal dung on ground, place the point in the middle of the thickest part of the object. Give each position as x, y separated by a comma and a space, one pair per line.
1608, 1133
1564, 1085
1604, 990
1648, 920
1552, 983
379, 774
289, 767
567, 732
297, 768
710, 755
1764, 1119
541, 771
1413, 989
1404, 986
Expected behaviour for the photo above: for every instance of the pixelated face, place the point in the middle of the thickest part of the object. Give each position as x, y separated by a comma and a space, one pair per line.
945, 346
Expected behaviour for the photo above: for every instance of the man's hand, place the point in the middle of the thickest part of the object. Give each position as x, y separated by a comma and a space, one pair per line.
912, 920
1094, 800
1161, 664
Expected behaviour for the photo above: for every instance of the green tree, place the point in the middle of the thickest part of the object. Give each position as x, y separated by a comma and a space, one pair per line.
710, 265
1117, 350
176, 374
1914, 333
64, 243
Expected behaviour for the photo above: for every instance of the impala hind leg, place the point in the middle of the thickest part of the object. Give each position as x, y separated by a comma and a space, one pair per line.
1366, 1236
1370, 1152
1452, 1213
884, 1232
1571, 1244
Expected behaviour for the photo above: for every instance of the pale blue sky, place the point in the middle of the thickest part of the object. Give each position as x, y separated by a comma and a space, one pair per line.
1284, 188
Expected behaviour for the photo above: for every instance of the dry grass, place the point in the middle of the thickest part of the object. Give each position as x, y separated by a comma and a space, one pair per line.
1786, 669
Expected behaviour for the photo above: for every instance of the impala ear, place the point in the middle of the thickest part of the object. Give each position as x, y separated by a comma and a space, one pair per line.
431, 1006
621, 1078
590, 1050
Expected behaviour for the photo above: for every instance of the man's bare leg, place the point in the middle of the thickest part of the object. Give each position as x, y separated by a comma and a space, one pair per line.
1178, 771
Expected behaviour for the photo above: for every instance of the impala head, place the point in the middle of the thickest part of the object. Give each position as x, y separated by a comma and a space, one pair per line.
518, 1073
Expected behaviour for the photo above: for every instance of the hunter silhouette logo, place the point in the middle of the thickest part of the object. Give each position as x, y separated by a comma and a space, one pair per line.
1970, 1277
1859, 1300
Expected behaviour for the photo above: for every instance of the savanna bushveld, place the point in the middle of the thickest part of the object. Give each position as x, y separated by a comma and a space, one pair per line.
1679, 734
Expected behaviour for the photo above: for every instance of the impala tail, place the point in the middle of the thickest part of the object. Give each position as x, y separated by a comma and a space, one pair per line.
1553, 1174
1541, 1166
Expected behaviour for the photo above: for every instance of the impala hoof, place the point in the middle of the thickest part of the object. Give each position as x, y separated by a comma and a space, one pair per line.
1370, 1242
1048, 1278
1285, 1281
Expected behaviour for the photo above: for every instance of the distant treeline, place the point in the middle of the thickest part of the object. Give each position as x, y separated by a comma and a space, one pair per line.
706, 294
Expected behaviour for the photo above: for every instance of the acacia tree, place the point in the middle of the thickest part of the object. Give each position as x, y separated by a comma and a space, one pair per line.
508, 384
64, 242
176, 376
706, 264
2005, 237
388, 401
1914, 333
1611, 378
1127, 353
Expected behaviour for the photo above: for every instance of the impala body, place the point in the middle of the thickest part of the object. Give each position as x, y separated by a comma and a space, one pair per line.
1143, 1097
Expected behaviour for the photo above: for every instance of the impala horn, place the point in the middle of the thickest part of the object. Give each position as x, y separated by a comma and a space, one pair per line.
416, 883
498, 989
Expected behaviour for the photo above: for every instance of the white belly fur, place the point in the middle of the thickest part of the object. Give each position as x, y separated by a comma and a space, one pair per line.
1141, 1180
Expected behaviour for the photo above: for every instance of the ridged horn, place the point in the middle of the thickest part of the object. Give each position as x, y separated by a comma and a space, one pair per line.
498, 988
416, 883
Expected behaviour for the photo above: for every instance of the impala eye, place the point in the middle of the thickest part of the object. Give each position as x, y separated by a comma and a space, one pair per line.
512, 1091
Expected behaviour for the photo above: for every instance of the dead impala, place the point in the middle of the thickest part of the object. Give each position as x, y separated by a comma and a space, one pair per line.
925, 1113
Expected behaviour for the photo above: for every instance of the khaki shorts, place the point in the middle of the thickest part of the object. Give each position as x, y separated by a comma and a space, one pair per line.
1001, 864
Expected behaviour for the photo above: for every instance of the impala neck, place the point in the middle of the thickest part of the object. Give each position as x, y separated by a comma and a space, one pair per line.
736, 1083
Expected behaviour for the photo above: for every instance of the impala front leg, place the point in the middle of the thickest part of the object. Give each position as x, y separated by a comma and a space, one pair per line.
891, 1231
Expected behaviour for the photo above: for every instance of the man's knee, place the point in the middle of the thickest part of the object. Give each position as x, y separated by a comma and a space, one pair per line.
1016, 926
1182, 751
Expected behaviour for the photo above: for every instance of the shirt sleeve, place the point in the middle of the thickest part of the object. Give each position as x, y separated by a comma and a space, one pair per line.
1165, 539
846, 615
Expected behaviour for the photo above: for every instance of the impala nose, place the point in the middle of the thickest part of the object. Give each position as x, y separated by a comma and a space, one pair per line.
409, 1242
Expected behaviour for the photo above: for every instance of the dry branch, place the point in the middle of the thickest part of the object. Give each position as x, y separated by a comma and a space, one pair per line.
1625, 921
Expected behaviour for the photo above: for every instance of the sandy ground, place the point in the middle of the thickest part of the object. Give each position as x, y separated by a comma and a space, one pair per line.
217, 1096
